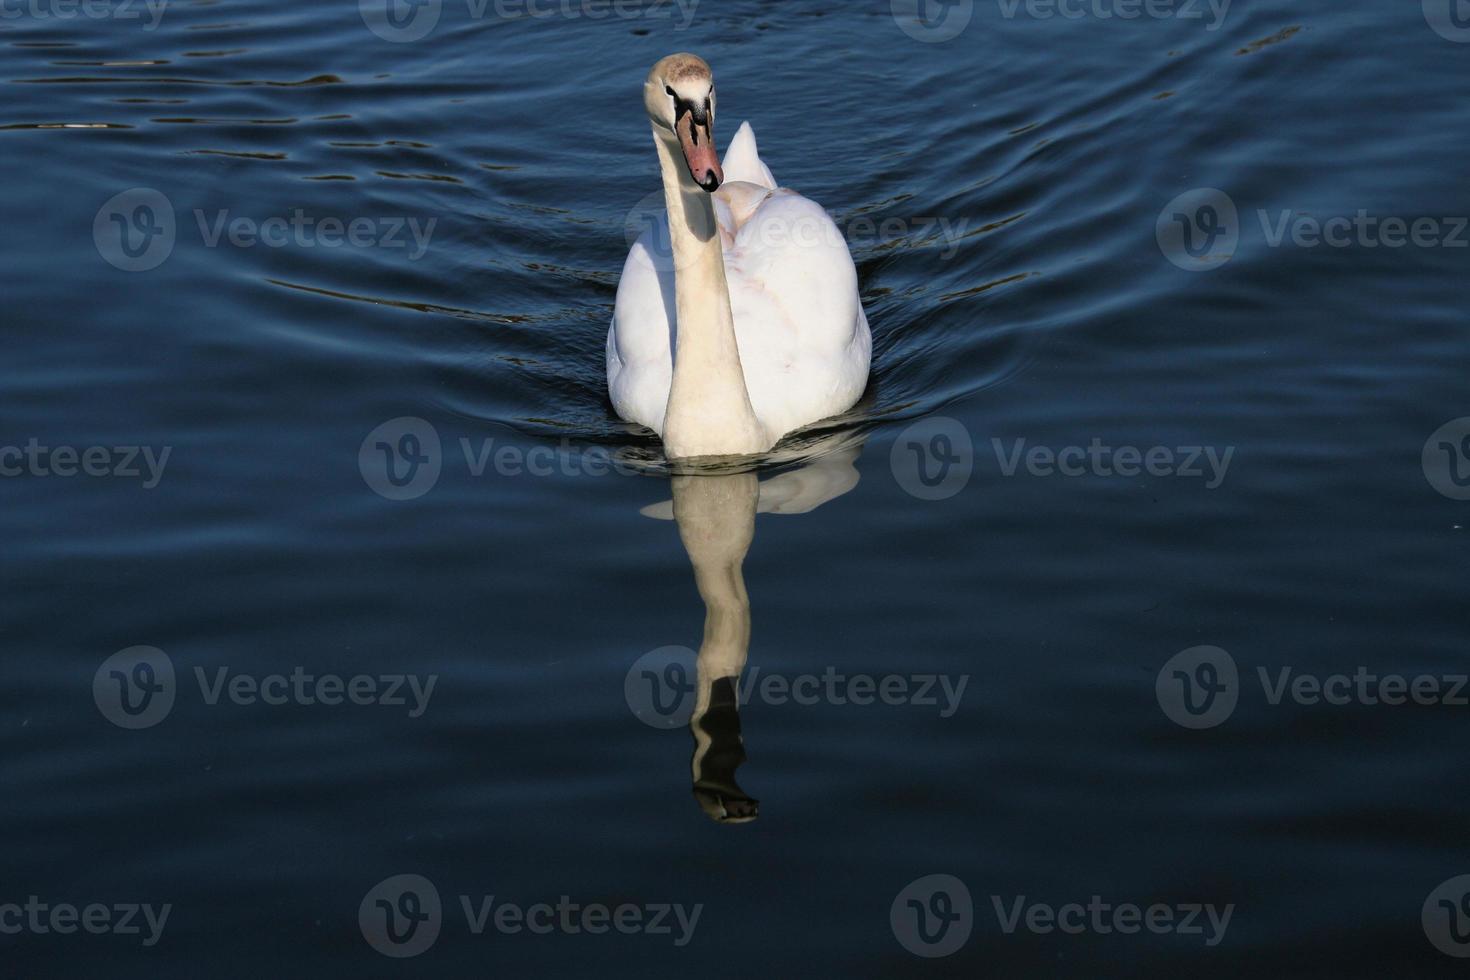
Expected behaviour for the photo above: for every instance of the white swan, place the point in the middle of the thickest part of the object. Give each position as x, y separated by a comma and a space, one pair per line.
738, 318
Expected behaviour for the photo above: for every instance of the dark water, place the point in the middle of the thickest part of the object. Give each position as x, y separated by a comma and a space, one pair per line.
1042, 307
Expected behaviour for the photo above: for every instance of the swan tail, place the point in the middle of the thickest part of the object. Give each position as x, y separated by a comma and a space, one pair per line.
743, 160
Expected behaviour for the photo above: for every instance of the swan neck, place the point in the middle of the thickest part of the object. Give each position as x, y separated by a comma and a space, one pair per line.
709, 411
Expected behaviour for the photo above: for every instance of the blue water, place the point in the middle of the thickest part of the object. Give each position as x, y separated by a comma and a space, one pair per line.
1002, 190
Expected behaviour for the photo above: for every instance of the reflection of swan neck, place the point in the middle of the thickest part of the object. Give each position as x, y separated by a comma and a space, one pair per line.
716, 517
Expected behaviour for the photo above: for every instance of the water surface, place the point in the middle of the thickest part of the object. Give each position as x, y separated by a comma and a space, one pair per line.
1001, 191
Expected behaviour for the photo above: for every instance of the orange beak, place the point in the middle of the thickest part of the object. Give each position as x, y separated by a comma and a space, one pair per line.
698, 140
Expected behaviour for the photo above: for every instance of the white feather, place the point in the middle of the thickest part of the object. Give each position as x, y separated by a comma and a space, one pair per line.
804, 341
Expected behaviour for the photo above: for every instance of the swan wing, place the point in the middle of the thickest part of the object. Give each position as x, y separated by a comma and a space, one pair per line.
640, 341
743, 160
804, 338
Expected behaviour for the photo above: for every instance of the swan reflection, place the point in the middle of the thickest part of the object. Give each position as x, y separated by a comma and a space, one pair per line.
716, 519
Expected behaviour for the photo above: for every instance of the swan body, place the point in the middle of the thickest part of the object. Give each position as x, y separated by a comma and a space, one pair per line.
738, 318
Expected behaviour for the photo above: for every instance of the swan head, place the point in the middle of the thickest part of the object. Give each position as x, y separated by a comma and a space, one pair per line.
680, 98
